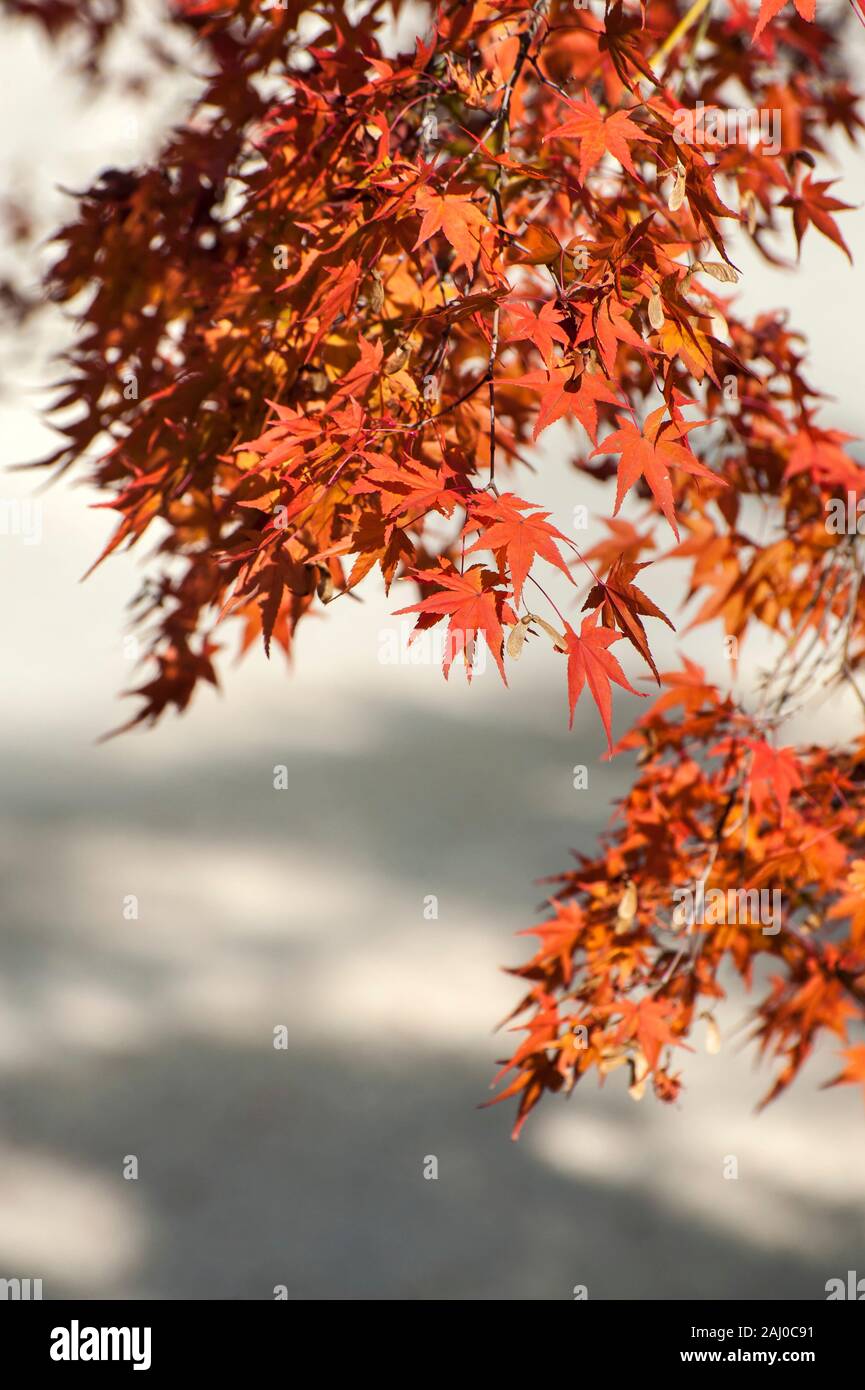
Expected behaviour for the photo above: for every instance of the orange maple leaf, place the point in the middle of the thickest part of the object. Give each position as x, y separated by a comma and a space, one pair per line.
622, 601
599, 135
812, 204
774, 772
457, 217
688, 688
770, 8
474, 606
651, 454
541, 328
503, 526
648, 1023
589, 660
854, 1072
852, 904
563, 393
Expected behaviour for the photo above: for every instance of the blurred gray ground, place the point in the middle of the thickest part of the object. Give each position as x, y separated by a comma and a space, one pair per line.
304, 1167
304, 908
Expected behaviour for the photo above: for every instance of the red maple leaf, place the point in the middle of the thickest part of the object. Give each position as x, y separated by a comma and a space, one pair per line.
474, 606
647, 1022
564, 393
623, 603
599, 135
688, 688
589, 660
774, 772
852, 904
607, 324
820, 454
769, 8
457, 217
813, 205
504, 527
542, 328
651, 454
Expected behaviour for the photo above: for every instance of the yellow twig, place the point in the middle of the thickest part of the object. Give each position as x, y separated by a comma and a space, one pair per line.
685, 23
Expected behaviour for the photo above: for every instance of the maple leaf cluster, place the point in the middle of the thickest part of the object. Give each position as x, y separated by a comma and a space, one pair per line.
354, 290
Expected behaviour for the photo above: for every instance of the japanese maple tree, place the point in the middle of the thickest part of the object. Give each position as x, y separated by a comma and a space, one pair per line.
354, 289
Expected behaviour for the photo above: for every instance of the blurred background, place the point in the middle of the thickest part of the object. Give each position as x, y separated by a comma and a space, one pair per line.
304, 909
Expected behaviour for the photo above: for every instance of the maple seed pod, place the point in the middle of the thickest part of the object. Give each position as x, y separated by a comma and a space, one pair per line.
718, 270
318, 381
656, 309
677, 192
398, 359
749, 210
429, 131
639, 1076
558, 638
324, 587
627, 909
376, 296
517, 638
713, 1033
612, 1057
720, 327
